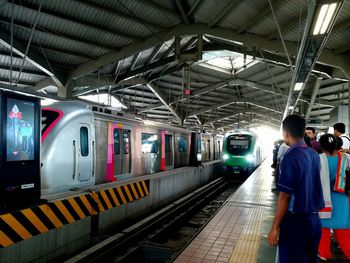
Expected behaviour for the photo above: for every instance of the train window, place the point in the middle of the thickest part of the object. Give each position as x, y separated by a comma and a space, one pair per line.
84, 141
182, 144
168, 141
149, 143
116, 141
219, 148
126, 141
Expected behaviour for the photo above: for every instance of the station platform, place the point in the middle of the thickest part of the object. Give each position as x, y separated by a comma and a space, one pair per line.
238, 232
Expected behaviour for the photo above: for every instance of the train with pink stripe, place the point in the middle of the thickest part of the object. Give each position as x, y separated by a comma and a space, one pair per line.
81, 146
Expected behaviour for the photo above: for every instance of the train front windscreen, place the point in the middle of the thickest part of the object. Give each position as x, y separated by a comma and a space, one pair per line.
238, 144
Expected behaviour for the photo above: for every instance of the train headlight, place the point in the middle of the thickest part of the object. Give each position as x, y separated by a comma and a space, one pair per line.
249, 158
199, 157
225, 157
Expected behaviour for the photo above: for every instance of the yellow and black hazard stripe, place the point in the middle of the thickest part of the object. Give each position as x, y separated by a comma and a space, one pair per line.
120, 195
26, 223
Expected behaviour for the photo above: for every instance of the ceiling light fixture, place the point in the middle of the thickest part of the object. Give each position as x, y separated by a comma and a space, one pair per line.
325, 15
298, 86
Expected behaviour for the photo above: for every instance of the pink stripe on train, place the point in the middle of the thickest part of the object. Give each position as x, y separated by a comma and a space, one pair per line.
48, 130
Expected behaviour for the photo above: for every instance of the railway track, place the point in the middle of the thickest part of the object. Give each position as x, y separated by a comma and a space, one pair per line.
164, 234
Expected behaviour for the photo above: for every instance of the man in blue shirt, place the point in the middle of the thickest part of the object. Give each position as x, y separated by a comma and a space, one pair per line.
296, 227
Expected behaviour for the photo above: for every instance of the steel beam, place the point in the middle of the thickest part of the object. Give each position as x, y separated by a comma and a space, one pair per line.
42, 84
231, 100
154, 54
182, 11
95, 83
195, 94
193, 8
32, 57
221, 84
313, 97
252, 120
30, 92
134, 60
223, 117
251, 42
166, 72
162, 98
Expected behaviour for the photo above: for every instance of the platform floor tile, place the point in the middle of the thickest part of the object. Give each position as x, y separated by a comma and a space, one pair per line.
234, 233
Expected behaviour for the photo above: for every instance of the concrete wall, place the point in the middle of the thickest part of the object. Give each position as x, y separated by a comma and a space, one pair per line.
165, 187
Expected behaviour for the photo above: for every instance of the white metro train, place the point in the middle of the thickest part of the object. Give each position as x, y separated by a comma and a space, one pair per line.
81, 147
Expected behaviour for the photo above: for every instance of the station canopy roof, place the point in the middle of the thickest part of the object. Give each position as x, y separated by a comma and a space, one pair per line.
197, 63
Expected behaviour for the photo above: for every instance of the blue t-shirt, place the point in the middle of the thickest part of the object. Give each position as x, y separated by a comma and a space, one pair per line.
300, 177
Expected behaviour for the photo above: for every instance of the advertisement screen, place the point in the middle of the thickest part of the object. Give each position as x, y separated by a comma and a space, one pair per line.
20, 130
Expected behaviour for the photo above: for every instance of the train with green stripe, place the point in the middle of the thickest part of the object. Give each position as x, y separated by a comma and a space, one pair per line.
242, 152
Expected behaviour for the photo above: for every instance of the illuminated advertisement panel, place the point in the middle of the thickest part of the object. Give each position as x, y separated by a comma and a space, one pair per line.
20, 130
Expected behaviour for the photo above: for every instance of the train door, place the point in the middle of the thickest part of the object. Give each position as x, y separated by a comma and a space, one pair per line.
84, 153
125, 156
167, 153
204, 150
209, 150
219, 150
150, 153
117, 151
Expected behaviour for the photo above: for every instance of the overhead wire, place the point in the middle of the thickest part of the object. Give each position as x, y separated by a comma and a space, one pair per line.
29, 40
11, 42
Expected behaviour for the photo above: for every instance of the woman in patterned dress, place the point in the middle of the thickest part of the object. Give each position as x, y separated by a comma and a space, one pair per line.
336, 214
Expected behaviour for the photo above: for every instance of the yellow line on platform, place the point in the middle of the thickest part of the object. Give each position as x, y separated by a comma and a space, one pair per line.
246, 250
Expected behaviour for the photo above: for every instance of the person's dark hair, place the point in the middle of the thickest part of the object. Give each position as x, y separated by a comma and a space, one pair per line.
311, 129
307, 140
340, 127
328, 142
294, 125
339, 143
